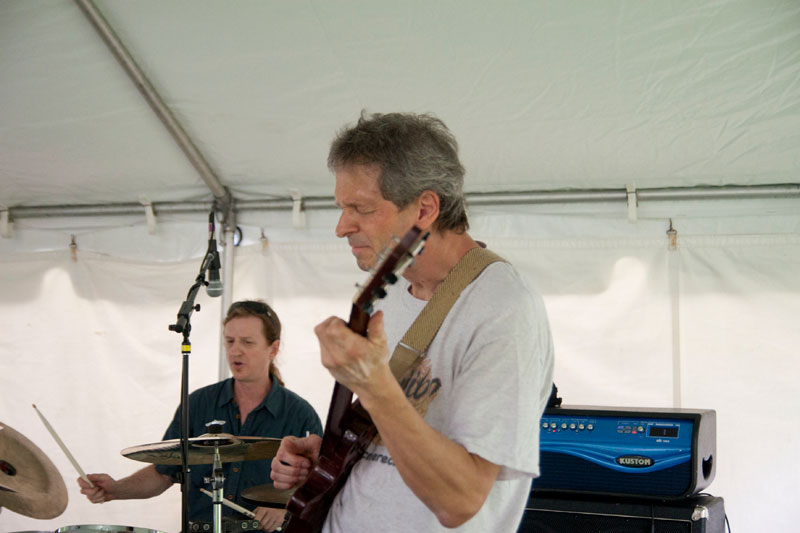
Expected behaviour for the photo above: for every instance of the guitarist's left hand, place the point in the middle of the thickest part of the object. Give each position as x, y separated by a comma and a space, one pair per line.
358, 363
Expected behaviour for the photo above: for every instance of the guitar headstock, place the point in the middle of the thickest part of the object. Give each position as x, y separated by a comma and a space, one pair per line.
390, 265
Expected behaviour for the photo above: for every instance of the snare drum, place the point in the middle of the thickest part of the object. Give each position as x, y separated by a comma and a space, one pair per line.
99, 527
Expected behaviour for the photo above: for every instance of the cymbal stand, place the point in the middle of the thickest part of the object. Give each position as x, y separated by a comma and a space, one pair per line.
217, 488
217, 478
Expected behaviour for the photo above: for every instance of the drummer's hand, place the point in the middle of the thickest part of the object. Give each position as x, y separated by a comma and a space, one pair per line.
269, 519
103, 488
294, 460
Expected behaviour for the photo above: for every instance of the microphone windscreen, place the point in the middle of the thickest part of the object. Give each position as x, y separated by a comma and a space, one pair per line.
214, 287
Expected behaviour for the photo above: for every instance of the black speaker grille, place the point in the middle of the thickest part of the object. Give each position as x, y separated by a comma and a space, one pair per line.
698, 514
558, 522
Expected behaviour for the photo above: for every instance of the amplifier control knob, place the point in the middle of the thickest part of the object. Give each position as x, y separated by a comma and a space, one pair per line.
581, 427
590, 427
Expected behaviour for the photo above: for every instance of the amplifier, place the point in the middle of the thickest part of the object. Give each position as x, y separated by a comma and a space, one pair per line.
621, 451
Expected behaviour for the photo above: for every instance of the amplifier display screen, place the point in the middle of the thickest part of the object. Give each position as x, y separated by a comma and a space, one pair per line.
662, 431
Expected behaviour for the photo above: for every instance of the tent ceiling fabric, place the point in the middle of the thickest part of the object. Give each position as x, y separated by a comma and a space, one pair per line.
541, 95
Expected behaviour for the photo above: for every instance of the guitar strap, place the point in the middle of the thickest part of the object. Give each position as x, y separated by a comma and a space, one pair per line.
410, 351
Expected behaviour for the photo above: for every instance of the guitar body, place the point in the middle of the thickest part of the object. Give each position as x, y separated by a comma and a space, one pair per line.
340, 451
348, 429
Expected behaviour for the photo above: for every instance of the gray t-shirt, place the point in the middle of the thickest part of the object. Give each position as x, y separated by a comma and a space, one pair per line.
488, 374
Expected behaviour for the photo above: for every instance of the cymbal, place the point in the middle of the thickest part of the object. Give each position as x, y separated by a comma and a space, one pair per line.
30, 484
232, 449
267, 495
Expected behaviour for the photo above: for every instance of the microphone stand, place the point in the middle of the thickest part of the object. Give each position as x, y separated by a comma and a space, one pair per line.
184, 327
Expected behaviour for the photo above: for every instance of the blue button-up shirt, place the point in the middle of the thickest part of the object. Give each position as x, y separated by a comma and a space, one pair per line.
280, 414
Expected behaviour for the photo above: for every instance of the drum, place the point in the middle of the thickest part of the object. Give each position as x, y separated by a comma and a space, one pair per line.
98, 527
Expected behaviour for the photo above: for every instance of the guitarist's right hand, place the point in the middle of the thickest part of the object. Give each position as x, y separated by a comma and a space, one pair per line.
295, 458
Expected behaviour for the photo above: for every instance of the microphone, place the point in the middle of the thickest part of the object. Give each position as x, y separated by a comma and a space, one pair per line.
214, 286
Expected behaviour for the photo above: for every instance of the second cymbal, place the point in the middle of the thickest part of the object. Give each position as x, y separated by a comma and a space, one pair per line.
267, 495
232, 449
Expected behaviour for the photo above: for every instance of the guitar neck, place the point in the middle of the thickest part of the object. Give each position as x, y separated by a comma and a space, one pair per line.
358, 320
340, 404
342, 396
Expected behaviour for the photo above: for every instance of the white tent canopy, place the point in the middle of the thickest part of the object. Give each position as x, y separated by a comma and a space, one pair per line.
587, 131
541, 95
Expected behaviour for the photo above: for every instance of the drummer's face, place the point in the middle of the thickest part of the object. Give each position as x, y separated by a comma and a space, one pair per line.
248, 351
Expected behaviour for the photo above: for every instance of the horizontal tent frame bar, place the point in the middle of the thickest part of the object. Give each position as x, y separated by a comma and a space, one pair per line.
728, 192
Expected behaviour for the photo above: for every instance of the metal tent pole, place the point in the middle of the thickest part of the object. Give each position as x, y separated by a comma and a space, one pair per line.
153, 98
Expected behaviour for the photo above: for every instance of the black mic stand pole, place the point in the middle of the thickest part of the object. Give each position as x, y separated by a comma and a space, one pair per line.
184, 326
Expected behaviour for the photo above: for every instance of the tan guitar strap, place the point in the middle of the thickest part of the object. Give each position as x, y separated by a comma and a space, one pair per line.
410, 351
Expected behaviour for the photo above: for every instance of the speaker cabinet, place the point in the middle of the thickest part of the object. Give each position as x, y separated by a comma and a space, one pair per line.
699, 514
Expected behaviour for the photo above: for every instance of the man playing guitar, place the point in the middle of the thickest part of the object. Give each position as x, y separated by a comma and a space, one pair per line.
458, 440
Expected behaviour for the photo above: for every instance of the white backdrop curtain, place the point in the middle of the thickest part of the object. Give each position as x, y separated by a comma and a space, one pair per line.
86, 338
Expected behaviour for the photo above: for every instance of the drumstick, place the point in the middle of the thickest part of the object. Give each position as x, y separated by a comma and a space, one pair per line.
247, 513
63, 447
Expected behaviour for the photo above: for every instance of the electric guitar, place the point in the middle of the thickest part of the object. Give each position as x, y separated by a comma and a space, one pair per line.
348, 429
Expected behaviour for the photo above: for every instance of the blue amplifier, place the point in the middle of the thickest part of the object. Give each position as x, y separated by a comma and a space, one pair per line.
621, 451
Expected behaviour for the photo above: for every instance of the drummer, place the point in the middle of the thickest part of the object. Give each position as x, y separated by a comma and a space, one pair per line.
254, 402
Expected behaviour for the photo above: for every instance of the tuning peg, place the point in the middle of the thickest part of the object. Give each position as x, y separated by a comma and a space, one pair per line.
379, 293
